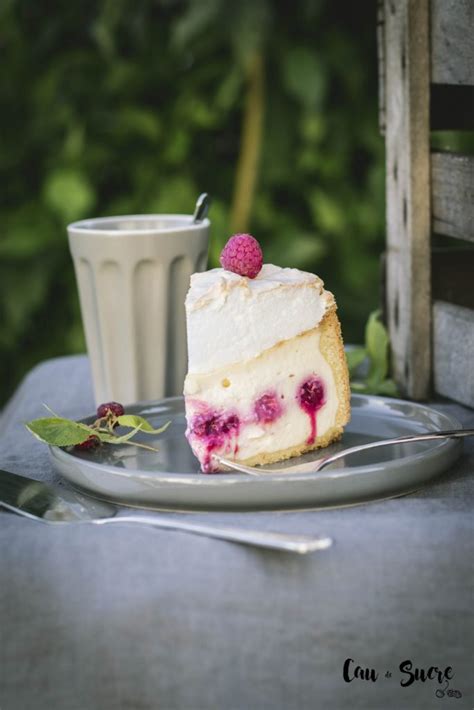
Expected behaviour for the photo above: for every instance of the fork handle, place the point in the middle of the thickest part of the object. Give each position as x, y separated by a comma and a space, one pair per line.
301, 544
425, 436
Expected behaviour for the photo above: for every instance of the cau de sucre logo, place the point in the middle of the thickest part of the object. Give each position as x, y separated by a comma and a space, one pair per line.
408, 673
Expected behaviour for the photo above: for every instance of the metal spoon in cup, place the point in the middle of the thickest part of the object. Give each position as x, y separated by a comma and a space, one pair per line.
203, 203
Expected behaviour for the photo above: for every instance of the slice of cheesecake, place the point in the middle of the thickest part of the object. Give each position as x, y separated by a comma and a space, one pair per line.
267, 376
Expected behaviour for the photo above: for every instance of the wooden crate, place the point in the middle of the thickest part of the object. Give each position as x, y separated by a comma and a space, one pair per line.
426, 67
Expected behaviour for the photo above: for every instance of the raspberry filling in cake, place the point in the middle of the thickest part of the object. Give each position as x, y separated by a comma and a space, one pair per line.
212, 431
311, 399
267, 376
215, 432
268, 408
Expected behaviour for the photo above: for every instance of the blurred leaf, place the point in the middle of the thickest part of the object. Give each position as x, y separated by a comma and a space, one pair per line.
104, 38
198, 18
327, 212
355, 357
68, 193
359, 387
122, 76
27, 233
304, 77
139, 121
300, 249
376, 339
388, 388
219, 231
74, 143
229, 88
177, 194
105, 27
177, 147
313, 127
376, 352
25, 288
201, 113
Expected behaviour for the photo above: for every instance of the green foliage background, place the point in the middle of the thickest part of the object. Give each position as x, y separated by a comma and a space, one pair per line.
135, 106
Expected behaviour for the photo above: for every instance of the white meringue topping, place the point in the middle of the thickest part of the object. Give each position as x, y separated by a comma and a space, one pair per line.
232, 318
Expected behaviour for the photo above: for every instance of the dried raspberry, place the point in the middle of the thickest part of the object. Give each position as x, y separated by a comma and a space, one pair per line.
88, 444
114, 407
242, 255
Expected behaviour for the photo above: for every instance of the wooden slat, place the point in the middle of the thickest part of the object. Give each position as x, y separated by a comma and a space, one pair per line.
453, 347
452, 195
408, 193
452, 41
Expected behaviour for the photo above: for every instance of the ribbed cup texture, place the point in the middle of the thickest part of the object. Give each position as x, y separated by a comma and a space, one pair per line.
132, 288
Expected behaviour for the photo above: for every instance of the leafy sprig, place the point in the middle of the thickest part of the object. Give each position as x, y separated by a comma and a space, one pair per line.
373, 379
59, 431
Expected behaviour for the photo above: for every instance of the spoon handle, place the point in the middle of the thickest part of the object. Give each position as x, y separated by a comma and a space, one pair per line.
427, 436
288, 542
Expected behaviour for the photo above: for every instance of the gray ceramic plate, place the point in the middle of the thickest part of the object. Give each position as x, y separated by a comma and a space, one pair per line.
170, 478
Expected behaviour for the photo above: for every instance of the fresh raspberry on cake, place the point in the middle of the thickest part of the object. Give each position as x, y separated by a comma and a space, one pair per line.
242, 255
267, 375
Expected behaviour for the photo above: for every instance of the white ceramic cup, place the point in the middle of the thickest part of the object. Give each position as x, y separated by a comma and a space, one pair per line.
133, 274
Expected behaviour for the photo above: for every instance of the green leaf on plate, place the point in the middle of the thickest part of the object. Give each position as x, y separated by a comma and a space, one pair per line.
56, 431
112, 439
133, 420
125, 439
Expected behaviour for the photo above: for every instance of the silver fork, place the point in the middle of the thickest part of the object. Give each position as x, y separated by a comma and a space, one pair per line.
319, 464
37, 501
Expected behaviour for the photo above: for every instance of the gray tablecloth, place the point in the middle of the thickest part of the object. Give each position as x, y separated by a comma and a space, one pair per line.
136, 618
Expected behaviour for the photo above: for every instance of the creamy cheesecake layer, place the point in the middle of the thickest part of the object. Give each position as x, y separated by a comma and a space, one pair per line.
252, 410
232, 318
